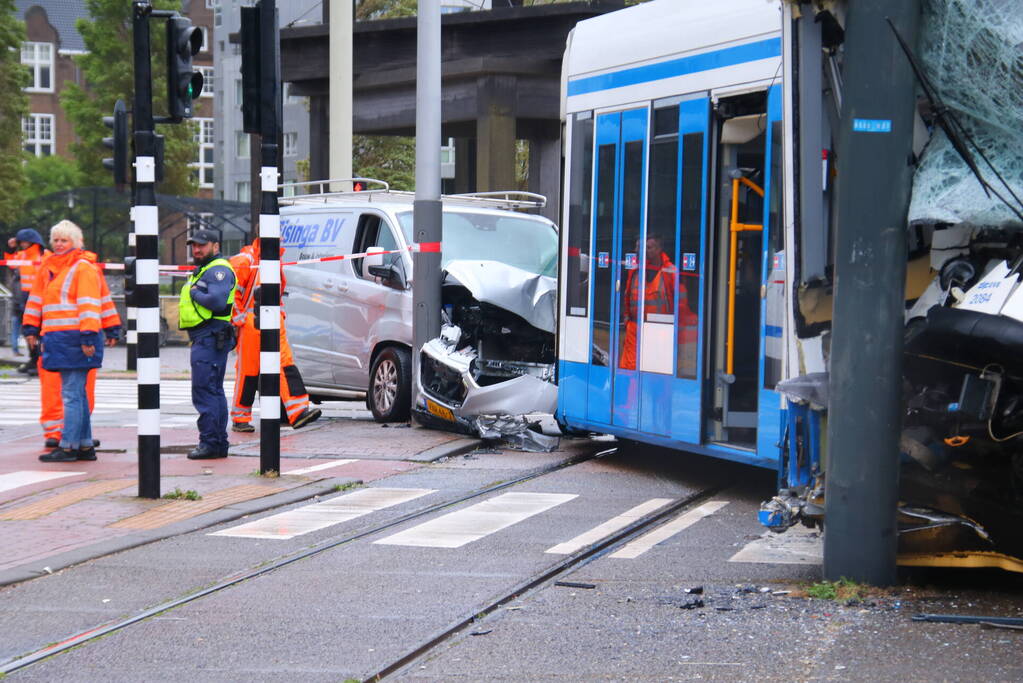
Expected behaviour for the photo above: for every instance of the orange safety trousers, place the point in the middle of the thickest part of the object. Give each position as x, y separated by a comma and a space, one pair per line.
294, 396
51, 414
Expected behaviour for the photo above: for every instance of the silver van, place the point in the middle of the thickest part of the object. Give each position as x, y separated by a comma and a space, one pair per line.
349, 320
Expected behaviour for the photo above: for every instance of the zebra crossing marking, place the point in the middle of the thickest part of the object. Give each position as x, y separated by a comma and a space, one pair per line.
458, 528
798, 545
609, 527
321, 466
309, 518
14, 480
648, 540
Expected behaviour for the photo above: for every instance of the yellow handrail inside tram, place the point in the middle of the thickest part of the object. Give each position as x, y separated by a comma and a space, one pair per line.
735, 228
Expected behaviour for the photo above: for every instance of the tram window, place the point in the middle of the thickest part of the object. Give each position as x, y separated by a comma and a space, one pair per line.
632, 216
603, 242
662, 206
691, 257
577, 266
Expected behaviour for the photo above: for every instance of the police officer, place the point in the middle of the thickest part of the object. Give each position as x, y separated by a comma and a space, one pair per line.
205, 311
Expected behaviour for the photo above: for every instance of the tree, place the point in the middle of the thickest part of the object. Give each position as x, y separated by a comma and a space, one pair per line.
13, 106
47, 175
108, 68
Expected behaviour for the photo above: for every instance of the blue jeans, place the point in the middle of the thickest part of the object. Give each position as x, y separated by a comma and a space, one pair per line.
15, 331
208, 367
77, 423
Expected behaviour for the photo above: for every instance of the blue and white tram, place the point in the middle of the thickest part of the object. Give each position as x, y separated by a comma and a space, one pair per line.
673, 321
690, 292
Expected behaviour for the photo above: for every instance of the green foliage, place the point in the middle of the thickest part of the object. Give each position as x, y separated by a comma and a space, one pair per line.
385, 9
13, 105
842, 590
50, 174
385, 157
178, 494
108, 68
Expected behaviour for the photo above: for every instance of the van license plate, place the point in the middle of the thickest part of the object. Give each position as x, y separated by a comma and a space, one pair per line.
440, 411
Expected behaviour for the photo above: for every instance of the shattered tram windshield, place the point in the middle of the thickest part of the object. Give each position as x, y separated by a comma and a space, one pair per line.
516, 241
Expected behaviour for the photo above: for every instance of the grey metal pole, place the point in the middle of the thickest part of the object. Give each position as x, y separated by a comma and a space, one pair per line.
864, 415
147, 274
426, 210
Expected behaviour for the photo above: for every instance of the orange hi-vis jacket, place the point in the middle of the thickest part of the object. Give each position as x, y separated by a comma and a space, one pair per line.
68, 307
293, 392
27, 274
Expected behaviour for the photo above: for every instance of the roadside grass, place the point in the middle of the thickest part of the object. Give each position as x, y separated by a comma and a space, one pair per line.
269, 474
347, 486
178, 494
843, 590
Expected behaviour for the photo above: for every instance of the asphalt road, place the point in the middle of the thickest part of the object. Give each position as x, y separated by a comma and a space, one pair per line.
358, 607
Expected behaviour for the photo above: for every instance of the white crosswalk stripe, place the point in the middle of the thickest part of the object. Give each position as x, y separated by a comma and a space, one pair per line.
308, 518
14, 480
116, 401
609, 527
455, 529
662, 533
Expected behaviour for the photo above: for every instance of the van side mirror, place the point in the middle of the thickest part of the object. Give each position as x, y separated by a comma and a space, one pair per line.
375, 258
392, 275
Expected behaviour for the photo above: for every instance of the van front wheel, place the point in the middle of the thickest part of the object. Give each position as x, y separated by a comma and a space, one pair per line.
390, 385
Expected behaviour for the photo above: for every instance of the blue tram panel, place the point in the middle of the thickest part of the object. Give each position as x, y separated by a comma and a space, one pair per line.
647, 326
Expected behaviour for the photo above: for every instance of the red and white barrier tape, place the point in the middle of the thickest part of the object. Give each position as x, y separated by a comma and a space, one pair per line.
425, 247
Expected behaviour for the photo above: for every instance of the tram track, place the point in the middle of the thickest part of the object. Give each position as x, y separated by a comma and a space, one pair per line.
549, 575
84, 637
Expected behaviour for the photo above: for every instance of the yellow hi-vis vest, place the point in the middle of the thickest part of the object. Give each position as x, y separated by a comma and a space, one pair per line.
191, 313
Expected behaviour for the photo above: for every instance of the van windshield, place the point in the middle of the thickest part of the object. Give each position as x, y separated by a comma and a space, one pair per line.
520, 242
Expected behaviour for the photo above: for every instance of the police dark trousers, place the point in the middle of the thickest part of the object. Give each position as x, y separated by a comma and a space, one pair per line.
212, 340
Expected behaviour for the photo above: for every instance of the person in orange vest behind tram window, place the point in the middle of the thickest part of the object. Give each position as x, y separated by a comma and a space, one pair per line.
658, 296
29, 245
68, 314
294, 396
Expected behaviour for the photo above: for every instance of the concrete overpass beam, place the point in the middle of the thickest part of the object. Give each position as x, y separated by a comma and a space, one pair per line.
495, 133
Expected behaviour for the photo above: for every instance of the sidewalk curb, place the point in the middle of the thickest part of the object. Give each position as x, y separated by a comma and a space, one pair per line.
55, 563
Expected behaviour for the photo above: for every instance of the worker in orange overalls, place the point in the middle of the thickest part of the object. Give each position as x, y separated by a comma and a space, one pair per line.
78, 303
30, 248
658, 297
294, 396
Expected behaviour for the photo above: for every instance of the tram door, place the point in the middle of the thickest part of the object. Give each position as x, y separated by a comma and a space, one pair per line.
742, 174
614, 394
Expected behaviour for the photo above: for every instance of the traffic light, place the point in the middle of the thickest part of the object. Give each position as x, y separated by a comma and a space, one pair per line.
118, 124
183, 84
251, 70
129, 280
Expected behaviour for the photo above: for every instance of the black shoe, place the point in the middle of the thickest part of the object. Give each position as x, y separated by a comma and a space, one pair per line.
242, 427
204, 452
306, 417
32, 372
23, 368
60, 455
86, 453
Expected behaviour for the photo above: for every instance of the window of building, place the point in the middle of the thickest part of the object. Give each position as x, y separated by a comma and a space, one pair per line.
243, 189
241, 144
203, 168
290, 144
238, 92
38, 57
205, 31
207, 80
38, 134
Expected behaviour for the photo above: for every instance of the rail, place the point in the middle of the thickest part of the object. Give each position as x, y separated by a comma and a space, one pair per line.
320, 191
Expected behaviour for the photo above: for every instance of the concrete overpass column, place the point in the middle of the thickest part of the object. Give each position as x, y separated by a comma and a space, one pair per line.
319, 135
495, 133
545, 174
465, 165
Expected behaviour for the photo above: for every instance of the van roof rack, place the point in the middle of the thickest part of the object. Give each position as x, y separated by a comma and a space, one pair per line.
318, 191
